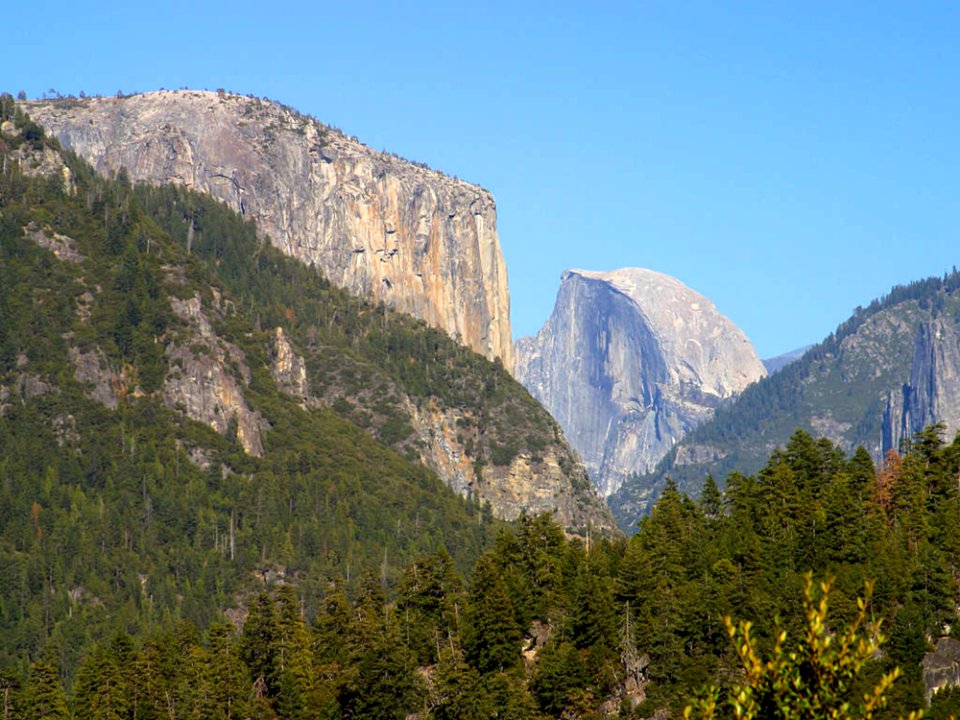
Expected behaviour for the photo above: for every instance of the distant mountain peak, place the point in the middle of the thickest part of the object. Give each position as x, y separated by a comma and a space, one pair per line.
629, 362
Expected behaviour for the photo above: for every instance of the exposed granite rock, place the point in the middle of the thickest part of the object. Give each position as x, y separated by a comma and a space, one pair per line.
44, 162
941, 668
628, 363
553, 482
443, 447
60, 245
23, 386
65, 430
288, 368
380, 226
201, 382
933, 393
93, 369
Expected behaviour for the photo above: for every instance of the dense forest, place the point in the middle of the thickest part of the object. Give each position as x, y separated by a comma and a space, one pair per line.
548, 626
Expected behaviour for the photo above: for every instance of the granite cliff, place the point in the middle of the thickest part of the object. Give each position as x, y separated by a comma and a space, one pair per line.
629, 362
382, 227
932, 394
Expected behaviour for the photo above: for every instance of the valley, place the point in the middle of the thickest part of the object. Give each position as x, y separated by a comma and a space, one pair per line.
267, 449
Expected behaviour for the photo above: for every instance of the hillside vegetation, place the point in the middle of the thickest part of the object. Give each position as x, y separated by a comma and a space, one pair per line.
118, 512
550, 627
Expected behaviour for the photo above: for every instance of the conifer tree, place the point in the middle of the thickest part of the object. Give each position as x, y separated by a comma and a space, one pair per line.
491, 639
457, 692
711, 500
104, 688
258, 642
43, 696
293, 657
232, 688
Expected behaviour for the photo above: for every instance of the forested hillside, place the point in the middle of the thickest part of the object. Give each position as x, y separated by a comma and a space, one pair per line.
547, 626
379, 368
117, 511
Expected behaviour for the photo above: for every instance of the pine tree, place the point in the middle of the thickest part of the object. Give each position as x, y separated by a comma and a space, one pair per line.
491, 639
293, 657
43, 697
258, 642
104, 688
711, 500
232, 687
560, 674
457, 691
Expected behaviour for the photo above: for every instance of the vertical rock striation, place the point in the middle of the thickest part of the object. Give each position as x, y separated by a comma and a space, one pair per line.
383, 227
932, 394
630, 361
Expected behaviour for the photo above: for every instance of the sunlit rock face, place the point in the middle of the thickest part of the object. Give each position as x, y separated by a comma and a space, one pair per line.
629, 362
383, 227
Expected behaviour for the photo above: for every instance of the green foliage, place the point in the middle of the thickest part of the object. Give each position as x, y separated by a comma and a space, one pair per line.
818, 678
131, 519
491, 636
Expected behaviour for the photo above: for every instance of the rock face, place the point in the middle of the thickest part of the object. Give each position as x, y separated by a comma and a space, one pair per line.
941, 668
382, 227
288, 368
933, 393
552, 481
202, 384
629, 362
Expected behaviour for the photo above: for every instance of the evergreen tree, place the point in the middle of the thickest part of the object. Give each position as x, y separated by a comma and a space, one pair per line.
293, 657
711, 500
232, 688
43, 697
491, 639
258, 643
560, 675
104, 688
457, 692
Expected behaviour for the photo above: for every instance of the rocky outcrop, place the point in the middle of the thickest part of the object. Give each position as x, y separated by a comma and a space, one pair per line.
628, 363
93, 370
288, 368
933, 393
63, 247
380, 226
941, 668
201, 383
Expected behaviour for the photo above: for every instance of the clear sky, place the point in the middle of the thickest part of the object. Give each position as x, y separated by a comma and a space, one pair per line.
790, 161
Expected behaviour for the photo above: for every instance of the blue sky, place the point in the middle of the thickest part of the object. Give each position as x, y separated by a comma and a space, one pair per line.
790, 161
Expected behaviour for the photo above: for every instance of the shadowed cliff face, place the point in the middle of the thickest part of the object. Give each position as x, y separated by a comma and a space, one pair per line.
628, 363
379, 226
933, 393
